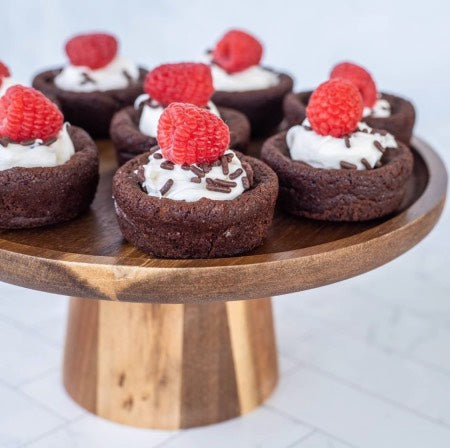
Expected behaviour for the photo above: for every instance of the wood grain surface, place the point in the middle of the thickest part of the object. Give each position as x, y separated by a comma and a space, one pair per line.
88, 257
170, 366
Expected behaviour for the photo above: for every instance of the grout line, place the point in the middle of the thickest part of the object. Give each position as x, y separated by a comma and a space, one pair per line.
375, 395
37, 377
302, 422
302, 439
169, 439
30, 330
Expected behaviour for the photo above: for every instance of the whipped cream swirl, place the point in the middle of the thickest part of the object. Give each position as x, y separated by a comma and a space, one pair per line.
252, 78
6, 83
37, 153
381, 109
151, 113
118, 74
360, 150
224, 180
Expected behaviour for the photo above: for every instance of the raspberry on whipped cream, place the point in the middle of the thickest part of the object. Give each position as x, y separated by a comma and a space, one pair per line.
235, 64
183, 82
193, 160
95, 65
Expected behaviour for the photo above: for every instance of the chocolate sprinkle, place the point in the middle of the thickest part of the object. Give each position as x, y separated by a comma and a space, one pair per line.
167, 165
209, 181
236, 173
213, 187
216, 163
366, 163
229, 157
306, 127
245, 183
166, 187
157, 156
224, 183
87, 79
185, 167
50, 141
347, 165
224, 162
378, 164
205, 167
196, 170
347, 142
196, 180
127, 76
154, 149
4, 141
27, 142
377, 145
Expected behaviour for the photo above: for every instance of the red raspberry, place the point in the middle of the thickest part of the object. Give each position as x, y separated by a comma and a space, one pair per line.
360, 77
335, 108
94, 50
188, 134
26, 114
180, 83
4, 71
236, 51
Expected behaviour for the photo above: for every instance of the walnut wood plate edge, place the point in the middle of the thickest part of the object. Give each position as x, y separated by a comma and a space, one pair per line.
133, 277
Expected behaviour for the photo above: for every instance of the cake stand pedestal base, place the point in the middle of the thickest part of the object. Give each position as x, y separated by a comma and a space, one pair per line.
170, 366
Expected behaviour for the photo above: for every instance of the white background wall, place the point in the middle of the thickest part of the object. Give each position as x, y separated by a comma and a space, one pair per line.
406, 44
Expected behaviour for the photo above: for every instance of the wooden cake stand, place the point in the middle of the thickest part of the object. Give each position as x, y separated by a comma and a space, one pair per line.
182, 343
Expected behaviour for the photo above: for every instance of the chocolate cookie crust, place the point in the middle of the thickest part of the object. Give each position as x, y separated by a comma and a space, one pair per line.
34, 197
129, 141
400, 124
339, 195
263, 107
203, 229
91, 111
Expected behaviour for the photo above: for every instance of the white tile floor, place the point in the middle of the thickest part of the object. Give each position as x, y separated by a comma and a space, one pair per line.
365, 363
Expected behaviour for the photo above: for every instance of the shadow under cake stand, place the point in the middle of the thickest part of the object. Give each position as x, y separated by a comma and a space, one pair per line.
183, 343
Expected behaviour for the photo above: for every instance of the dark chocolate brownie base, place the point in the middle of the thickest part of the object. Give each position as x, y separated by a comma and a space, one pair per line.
129, 141
202, 229
34, 197
400, 124
339, 195
262, 107
91, 111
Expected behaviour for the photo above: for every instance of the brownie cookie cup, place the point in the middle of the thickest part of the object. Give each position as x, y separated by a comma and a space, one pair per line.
333, 167
48, 170
133, 129
95, 85
192, 196
392, 113
241, 83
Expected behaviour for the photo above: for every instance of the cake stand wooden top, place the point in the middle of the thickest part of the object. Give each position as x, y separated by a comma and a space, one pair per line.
89, 258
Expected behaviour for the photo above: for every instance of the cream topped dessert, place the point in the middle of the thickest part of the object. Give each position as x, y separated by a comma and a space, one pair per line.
39, 138
168, 83
362, 148
95, 65
193, 160
332, 137
235, 64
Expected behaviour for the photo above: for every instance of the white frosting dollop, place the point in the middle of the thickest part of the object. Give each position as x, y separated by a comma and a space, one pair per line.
183, 189
84, 79
6, 83
37, 154
252, 78
148, 123
381, 109
325, 151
